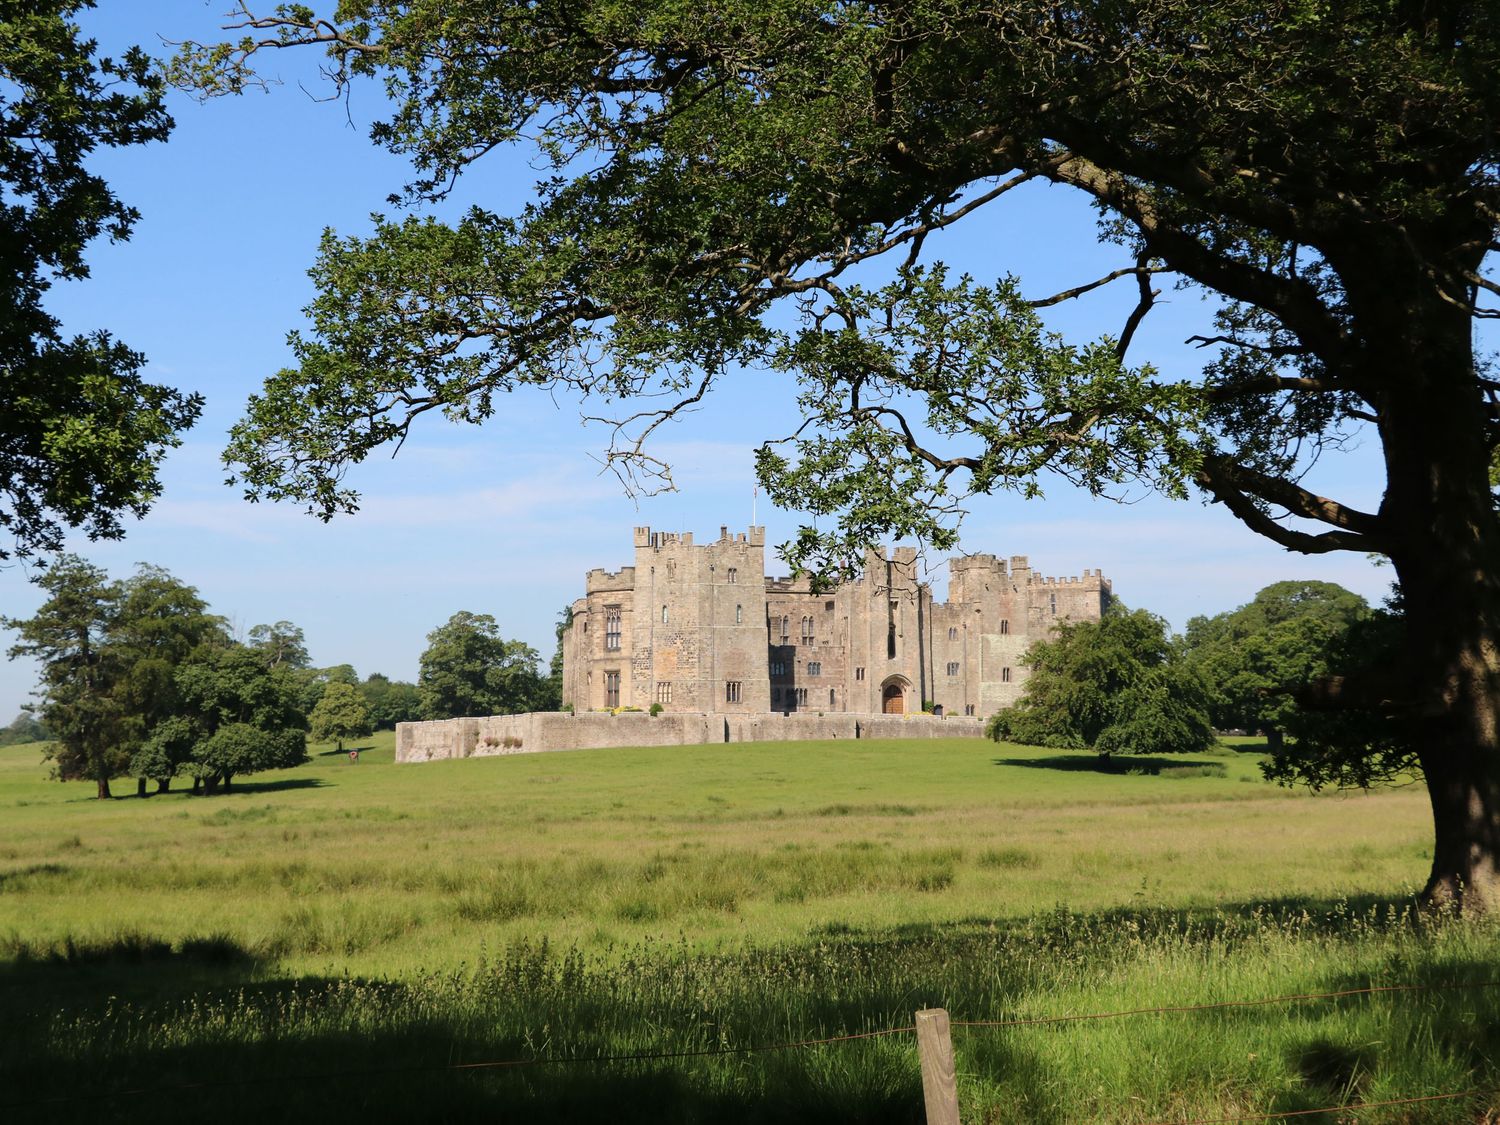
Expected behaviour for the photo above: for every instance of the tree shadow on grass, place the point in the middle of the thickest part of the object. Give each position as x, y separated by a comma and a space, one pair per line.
1115, 763
280, 785
247, 1045
344, 753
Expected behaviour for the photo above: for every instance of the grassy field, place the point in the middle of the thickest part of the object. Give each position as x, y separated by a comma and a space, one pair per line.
391, 921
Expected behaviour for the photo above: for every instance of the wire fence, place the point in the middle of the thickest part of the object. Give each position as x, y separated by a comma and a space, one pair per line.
797, 1044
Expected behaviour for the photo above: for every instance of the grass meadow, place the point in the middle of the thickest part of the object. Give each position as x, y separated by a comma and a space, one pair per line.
342, 941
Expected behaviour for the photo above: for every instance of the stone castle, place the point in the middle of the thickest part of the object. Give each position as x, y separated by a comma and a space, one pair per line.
701, 628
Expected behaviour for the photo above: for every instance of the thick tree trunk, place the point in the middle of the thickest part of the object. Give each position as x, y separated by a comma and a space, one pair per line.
1465, 794
103, 793
1453, 622
140, 787
164, 785
1444, 541
1274, 740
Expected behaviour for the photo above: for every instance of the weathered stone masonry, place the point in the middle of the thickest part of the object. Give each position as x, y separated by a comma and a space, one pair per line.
544, 731
701, 629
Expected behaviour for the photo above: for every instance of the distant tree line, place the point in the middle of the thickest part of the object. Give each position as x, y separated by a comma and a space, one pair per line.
139, 679
1125, 684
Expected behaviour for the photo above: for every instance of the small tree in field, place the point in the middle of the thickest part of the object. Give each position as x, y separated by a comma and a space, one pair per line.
1112, 685
340, 714
233, 686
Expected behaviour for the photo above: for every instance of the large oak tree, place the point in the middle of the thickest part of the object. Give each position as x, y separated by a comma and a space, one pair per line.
1327, 170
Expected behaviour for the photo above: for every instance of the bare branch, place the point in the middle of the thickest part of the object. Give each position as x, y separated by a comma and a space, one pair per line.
1270, 384
1137, 314
1278, 350
1079, 290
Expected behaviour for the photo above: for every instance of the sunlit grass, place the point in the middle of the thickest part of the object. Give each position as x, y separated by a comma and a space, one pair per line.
375, 868
387, 921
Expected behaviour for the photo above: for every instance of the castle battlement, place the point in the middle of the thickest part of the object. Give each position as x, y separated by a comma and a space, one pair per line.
645, 538
708, 632
1091, 580
601, 581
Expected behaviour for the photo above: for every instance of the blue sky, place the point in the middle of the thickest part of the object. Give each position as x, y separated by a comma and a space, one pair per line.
505, 519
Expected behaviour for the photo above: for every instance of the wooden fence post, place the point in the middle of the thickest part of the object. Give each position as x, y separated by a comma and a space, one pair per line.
939, 1080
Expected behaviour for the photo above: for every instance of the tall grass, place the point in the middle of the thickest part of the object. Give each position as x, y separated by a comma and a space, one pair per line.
330, 942
379, 869
351, 1049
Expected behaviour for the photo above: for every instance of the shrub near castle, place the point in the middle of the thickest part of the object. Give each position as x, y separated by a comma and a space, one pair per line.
1116, 685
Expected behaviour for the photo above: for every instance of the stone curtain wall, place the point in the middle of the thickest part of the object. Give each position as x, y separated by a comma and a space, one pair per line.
544, 731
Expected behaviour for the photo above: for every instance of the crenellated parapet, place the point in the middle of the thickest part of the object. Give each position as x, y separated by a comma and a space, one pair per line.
1091, 580
601, 581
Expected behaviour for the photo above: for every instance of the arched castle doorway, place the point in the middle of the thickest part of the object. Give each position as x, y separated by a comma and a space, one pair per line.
893, 697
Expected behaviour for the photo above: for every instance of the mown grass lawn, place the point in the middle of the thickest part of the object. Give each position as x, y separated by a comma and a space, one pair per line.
390, 920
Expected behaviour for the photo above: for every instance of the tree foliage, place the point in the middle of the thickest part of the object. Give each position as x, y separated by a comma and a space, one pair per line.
68, 636
469, 669
281, 644
341, 713
139, 678
1116, 685
160, 623
81, 431
1256, 657
25, 727
391, 701
1343, 744
244, 713
725, 178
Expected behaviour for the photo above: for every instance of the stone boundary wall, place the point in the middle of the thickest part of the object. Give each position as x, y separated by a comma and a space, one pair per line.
540, 732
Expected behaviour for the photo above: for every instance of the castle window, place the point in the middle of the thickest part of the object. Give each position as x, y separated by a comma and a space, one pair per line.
890, 642
952, 633
859, 673
664, 691
778, 668
732, 691
663, 615
814, 668
612, 628
968, 708
828, 606
1005, 675
671, 570
800, 695
807, 630
734, 574
611, 689
1054, 605
830, 697
739, 614
1004, 627
786, 630
775, 695
953, 667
